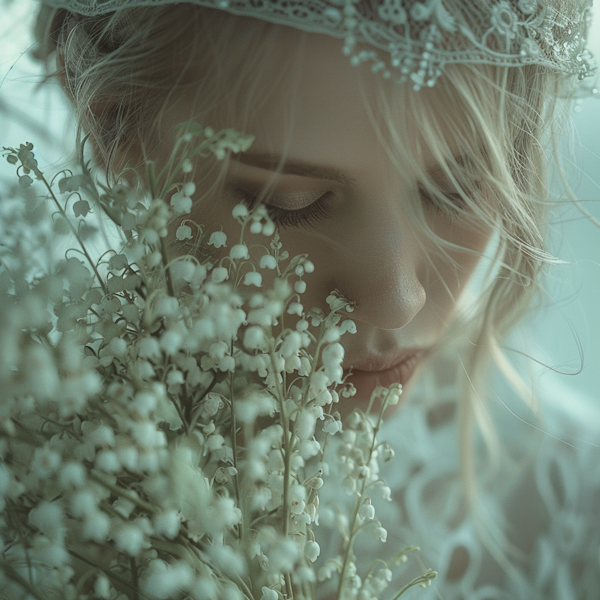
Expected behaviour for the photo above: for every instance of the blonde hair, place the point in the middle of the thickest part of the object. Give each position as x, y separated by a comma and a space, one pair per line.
110, 64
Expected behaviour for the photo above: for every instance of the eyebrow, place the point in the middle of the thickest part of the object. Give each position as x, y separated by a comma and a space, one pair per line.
273, 162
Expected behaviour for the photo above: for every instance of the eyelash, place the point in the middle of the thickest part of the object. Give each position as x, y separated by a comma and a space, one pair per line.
308, 216
452, 211
318, 210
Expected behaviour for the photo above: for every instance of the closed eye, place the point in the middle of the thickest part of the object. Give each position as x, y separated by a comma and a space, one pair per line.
450, 204
311, 208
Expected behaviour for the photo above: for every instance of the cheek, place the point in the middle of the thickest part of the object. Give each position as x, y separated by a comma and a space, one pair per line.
450, 272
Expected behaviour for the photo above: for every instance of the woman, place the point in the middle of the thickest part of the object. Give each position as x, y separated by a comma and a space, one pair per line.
396, 171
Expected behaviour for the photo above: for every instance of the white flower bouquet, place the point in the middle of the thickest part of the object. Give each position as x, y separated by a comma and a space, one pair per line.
165, 431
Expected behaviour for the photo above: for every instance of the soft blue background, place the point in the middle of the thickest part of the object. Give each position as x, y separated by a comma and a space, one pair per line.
562, 334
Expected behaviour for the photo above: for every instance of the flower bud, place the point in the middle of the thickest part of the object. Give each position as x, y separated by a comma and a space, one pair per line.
367, 510
312, 551
181, 203
381, 534
253, 278
332, 426
268, 262
305, 424
184, 232
218, 239
239, 252
300, 287
297, 497
189, 189
291, 344
219, 274
269, 594
239, 211
102, 587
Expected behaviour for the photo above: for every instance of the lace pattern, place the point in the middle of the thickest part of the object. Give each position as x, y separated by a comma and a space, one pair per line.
413, 41
545, 498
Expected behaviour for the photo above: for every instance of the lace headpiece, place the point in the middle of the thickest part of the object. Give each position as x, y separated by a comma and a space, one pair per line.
413, 41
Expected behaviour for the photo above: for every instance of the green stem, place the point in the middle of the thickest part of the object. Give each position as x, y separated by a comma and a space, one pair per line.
238, 497
123, 493
109, 574
171, 167
425, 579
187, 411
184, 541
165, 257
74, 231
14, 576
134, 575
348, 549
286, 472
376, 563
263, 517
324, 445
288, 586
194, 422
359, 499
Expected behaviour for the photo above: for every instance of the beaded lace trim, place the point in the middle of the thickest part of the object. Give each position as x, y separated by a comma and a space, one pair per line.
413, 41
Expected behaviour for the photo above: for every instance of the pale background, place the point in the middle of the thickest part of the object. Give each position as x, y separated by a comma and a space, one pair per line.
560, 334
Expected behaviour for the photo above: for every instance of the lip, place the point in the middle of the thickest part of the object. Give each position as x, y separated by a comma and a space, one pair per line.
372, 371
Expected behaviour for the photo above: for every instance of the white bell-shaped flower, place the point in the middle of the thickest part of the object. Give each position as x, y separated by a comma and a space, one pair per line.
218, 239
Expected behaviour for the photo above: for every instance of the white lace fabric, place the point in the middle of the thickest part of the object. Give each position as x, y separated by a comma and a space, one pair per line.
413, 41
546, 499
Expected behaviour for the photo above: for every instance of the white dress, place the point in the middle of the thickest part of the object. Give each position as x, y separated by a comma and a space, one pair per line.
545, 498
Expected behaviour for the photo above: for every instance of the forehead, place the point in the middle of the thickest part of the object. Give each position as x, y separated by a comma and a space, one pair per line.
326, 110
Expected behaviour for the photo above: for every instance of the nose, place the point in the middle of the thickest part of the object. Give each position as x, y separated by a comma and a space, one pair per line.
383, 270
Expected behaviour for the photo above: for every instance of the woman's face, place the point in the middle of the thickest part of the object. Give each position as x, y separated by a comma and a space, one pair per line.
339, 201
